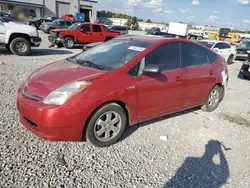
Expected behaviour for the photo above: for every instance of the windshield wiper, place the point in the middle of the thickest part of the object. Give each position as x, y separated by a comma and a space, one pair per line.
90, 63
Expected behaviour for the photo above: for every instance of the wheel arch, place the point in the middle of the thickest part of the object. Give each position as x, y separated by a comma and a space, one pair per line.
12, 36
118, 102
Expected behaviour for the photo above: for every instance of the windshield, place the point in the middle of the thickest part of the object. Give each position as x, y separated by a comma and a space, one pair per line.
244, 45
112, 54
107, 28
74, 26
207, 44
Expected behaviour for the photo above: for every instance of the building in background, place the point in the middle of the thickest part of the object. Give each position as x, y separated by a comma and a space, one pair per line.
40, 8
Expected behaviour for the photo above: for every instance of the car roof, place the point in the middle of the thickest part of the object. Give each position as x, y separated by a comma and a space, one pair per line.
214, 41
148, 38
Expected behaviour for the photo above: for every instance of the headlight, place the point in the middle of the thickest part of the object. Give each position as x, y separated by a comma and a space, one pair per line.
66, 92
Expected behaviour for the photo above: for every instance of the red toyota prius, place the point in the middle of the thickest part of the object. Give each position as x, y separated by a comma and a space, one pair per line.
127, 80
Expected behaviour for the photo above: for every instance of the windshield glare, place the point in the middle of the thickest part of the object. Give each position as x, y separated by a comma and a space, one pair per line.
113, 54
74, 26
245, 45
207, 44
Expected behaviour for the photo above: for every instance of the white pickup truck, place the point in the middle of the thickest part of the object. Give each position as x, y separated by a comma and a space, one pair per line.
18, 37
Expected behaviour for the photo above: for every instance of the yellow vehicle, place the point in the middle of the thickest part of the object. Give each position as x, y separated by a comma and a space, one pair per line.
225, 34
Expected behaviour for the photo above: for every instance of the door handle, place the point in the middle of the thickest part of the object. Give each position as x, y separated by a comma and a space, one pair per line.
90, 33
178, 79
100, 34
211, 73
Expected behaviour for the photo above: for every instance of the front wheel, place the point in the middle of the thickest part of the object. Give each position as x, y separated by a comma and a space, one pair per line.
213, 99
106, 126
230, 59
20, 46
69, 43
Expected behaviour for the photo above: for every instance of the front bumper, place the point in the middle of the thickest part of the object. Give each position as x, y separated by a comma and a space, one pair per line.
55, 41
36, 41
241, 57
57, 123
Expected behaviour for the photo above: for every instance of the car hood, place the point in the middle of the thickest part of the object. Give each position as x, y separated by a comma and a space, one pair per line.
50, 77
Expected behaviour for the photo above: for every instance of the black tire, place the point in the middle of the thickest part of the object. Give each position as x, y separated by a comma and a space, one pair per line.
93, 127
107, 38
7, 46
208, 106
20, 46
245, 77
49, 30
69, 43
230, 59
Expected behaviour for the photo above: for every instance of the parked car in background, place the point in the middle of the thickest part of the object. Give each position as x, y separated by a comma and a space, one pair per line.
18, 38
69, 17
241, 51
224, 49
56, 24
38, 23
153, 30
49, 17
81, 33
5, 16
122, 30
245, 69
77, 97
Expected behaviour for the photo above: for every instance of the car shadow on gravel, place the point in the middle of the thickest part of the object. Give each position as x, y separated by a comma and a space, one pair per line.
42, 52
209, 171
4, 51
130, 130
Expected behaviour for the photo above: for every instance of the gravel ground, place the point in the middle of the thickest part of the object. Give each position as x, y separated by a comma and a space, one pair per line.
191, 156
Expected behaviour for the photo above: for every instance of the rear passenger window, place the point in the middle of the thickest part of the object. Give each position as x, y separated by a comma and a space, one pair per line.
212, 56
97, 28
194, 55
69, 23
61, 23
166, 56
85, 28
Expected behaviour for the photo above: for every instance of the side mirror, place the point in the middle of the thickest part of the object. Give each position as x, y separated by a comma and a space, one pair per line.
216, 49
151, 69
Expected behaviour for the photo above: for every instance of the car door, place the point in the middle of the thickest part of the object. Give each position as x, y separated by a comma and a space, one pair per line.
2, 32
61, 24
97, 35
159, 94
199, 75
224, 49
85, 35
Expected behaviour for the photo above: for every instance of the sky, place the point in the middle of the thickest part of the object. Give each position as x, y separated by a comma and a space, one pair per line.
221, 13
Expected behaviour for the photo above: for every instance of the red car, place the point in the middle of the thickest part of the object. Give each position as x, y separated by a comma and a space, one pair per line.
98, 93
69, 17
81, 34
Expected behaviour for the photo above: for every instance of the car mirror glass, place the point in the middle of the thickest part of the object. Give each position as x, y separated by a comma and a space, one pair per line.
216, 49
151, 69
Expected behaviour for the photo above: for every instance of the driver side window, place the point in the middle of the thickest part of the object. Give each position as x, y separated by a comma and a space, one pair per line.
85, 28
166, 56
219, 46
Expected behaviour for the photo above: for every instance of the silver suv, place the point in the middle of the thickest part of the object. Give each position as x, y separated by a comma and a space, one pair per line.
46, 27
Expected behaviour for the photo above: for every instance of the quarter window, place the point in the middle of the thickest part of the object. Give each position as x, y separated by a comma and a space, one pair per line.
166, 56
194, 55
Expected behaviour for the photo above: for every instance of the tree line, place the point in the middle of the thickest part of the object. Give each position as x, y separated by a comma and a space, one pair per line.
108, 14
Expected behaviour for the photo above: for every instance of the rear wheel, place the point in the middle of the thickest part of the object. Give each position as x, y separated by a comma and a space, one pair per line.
106, 126
69, 43
213, 99
20, 46
230, 59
